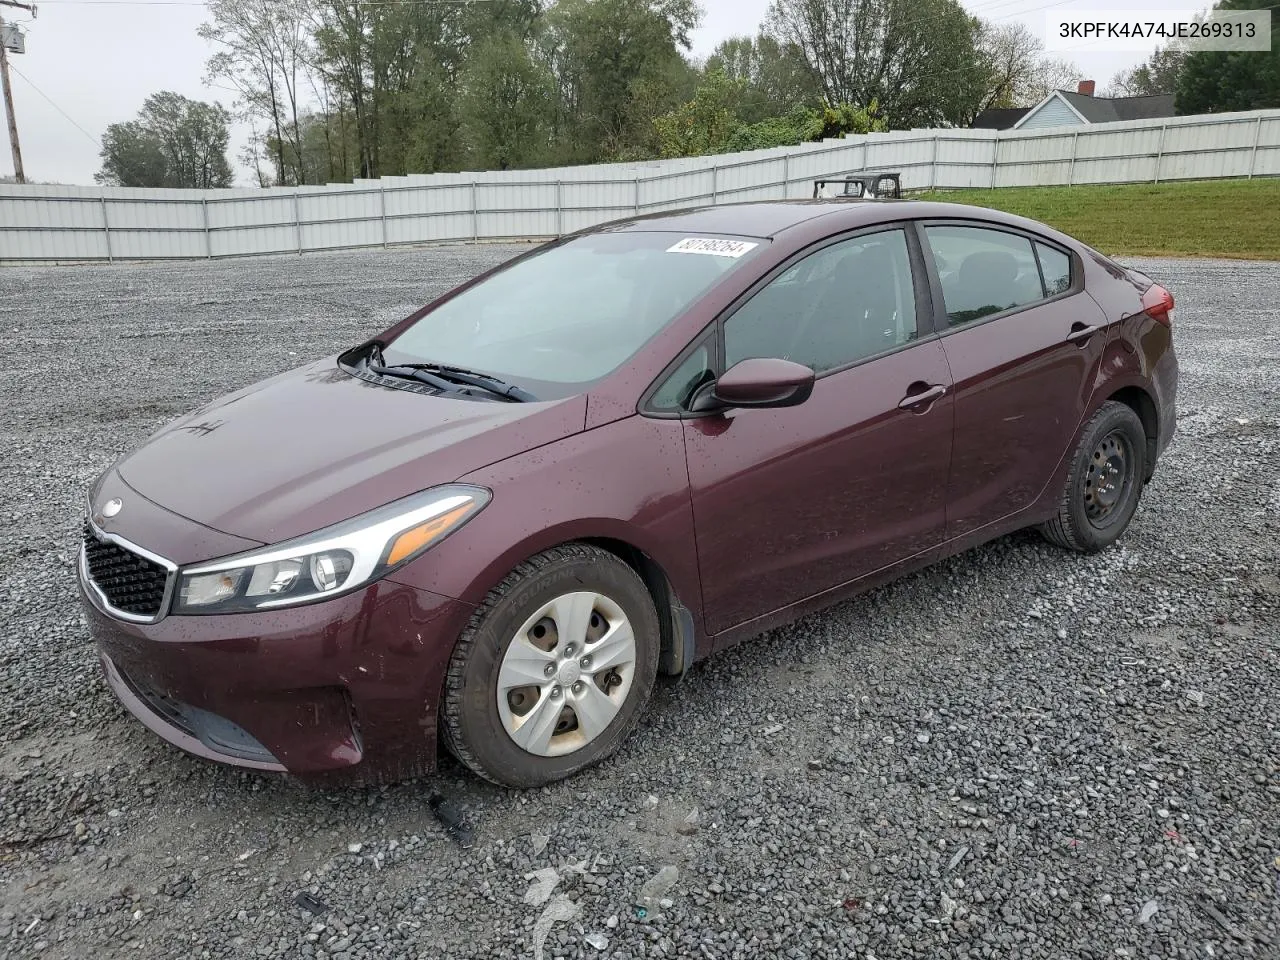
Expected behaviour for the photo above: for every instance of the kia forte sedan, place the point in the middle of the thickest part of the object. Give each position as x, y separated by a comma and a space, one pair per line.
494, 524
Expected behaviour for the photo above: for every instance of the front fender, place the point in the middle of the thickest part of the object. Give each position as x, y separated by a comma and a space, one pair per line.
626, 481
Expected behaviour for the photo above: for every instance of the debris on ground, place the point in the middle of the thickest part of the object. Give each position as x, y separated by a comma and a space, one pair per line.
313, 905
539, 842
559, 910
544, 884
452, 819
1148, 911
689, 826
956, 858
597, 941
652, 892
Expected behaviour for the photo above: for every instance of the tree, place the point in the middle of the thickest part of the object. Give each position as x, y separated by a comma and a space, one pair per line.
775, 76
705, 124
1215, 81
263, 47
1016, 71
175, 142
506, 104
917, 58
396, 67
619, 67
709, 124
1158, 75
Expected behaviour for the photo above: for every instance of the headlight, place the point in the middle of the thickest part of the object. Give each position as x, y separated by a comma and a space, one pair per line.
332, 561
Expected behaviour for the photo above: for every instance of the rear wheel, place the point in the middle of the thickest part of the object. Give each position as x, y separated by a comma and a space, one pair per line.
554, 670
1105, 482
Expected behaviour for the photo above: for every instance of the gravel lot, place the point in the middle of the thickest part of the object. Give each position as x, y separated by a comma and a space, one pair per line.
1018, 753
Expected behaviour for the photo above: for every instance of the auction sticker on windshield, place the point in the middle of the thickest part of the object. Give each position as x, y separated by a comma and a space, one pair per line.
714, 248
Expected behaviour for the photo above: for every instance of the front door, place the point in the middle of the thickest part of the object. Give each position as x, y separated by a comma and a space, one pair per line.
1024, 342
792, 502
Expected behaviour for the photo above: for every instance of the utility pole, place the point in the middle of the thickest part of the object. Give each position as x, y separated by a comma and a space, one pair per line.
8, 92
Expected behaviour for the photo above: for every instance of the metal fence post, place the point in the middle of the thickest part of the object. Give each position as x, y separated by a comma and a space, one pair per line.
475, 210
382, 197
297, 218
208, 236
995, 158
1253, 154
559, 208
1071, 170
715, 184
106, 228
637, 197
786, 175
1164, 128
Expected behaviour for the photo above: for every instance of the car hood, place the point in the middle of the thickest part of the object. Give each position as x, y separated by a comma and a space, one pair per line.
316, 446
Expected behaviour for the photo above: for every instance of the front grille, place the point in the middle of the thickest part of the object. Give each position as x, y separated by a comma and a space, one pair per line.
129, 581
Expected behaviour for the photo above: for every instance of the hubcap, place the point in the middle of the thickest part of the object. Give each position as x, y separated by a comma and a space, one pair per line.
566, 674
1107, 479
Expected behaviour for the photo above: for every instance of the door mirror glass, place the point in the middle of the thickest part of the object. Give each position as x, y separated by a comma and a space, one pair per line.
760, 382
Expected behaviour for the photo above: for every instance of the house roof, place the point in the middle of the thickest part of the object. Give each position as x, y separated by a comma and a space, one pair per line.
999, 118
1107, 109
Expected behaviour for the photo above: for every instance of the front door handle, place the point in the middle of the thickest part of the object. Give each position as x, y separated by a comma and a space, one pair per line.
1080, 333
926, 396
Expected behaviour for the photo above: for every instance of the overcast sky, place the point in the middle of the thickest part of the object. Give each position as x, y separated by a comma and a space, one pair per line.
90, 63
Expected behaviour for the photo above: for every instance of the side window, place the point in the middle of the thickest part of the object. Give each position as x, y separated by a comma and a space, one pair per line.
983, 271
678, 388
846, 302
1056, 267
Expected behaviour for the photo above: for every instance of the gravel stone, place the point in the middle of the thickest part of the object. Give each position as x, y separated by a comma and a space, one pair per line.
983, 786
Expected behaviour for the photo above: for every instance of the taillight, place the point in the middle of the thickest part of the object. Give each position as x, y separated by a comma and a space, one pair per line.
1157, 303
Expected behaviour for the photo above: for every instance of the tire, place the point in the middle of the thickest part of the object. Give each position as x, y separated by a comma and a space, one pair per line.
1096, 504
515, 636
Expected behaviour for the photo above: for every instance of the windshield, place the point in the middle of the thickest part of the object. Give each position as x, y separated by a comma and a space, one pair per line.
570, 315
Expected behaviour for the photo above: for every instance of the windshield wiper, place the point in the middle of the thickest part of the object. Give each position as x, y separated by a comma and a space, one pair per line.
449, 378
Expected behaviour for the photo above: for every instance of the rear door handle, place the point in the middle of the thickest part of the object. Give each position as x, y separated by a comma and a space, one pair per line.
912, 400
1081, 333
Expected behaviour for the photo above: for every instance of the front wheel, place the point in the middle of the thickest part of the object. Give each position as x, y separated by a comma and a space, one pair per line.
554, 669
1105, 482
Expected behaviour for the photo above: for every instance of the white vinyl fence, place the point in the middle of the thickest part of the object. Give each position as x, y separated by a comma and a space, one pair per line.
51, 224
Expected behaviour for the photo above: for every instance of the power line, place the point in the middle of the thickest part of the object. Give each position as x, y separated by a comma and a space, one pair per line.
49, 100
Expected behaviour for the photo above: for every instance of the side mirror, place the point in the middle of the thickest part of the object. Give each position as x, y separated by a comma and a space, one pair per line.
759, 383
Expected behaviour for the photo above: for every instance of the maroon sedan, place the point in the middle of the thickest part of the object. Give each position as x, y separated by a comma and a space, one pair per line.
496, 522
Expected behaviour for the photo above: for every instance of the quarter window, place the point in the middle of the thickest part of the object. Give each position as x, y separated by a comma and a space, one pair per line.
1056, 268
983, 271
847, 302
678, 389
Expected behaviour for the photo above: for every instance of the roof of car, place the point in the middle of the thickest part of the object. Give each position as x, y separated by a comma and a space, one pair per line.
769, 218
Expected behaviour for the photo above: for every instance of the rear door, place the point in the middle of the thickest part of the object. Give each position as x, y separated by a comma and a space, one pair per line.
1024, 343
791, 502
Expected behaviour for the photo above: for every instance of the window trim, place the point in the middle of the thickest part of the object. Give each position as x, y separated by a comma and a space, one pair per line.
941, 326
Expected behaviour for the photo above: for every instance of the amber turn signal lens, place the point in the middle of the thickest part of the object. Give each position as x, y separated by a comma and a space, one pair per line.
419, 537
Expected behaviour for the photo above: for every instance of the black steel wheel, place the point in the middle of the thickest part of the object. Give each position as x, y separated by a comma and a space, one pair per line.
1104, 484
1108, 479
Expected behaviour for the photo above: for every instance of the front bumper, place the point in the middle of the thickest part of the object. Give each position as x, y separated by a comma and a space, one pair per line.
347, 688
